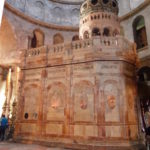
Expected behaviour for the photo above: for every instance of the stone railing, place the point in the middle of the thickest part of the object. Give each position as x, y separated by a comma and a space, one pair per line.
56, 49
82, 50
34, 52
78, 45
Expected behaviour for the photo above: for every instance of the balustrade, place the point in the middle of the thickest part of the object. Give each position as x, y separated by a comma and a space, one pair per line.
116, 43
55, 49
36, 51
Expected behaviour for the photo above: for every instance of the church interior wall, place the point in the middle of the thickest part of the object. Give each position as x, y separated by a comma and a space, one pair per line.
48, 11
24, 29
7, 45
73, 116
127, 24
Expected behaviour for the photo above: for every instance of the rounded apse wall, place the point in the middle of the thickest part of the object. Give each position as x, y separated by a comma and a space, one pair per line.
62, 12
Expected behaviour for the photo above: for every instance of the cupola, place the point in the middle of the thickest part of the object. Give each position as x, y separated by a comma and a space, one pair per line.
99, 18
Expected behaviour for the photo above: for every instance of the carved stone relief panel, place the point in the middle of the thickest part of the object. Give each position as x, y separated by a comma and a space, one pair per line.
111, 97
56, 96
83, 98
31, 102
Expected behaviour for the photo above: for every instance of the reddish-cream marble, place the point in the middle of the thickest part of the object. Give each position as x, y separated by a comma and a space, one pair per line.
80, 94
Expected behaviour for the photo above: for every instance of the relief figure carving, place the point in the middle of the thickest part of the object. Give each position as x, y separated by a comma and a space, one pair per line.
111, 100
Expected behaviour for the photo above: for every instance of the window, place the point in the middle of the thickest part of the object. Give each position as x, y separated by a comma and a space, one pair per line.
94, 2
96, 32
86, 35
37, 40
75, 38
106, 32
139, 31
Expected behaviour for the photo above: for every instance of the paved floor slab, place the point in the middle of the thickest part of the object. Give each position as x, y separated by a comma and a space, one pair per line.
18, 146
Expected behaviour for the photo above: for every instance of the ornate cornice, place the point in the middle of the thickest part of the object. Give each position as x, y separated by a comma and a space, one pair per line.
38, 22
73, 2
135, 11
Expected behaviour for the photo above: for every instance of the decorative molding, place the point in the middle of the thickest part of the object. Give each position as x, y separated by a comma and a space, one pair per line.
73, 2
38, 22
135, 11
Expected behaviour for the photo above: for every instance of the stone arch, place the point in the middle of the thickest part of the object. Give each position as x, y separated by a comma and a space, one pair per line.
86, 35
38, 38
96, 31
58, 38
107, 31
75, 38
139, 31
144, 91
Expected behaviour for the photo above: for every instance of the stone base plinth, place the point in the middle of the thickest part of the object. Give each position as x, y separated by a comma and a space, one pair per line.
85, 145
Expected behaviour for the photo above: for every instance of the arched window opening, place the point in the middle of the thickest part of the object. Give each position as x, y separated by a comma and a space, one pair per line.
139, 31
86, 35
75, 38
37, 40
144, 74
106, 32
58, 39
33, 41
96, 32
94, 2
144, 94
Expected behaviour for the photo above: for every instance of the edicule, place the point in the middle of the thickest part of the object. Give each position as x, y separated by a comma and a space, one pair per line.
87, 95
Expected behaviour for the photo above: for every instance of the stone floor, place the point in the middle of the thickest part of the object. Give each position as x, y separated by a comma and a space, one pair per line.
17, 146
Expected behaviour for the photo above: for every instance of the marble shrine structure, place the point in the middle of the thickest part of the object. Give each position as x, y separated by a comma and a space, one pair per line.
81, 94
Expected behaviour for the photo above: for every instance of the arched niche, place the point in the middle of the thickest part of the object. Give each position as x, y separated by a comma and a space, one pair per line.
58, 39
144, 92
75, 38
96, 32
56, 101
112, 101
139, 31
37, 40
106, 32
86, 35
83, 99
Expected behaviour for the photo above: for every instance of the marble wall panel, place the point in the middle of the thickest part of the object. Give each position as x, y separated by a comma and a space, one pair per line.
113, 131
56, 101
86, 130
54, 129
31, 101
83, 102
28, 128
112, 101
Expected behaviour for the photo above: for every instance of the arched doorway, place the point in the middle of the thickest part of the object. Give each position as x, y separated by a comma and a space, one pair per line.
144, 93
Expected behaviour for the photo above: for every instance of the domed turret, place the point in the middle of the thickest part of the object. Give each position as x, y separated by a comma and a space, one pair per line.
99, 18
